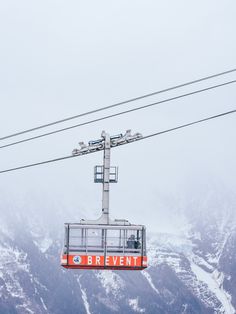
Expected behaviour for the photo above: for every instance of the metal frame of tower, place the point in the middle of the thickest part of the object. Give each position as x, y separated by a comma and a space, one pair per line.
106, 177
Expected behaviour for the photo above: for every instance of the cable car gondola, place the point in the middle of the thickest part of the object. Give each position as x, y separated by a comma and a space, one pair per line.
105, 243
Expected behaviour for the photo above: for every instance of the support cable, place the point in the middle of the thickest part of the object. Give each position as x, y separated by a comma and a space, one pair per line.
119, 104
142, 138
118, 114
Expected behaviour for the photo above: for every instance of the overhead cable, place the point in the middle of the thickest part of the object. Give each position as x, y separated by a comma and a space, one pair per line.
118, 104
188, 124
142, 138
117, 114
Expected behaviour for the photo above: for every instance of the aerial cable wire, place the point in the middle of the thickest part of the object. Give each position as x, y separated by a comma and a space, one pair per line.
119, 104
142, 138
118, 114
188, 124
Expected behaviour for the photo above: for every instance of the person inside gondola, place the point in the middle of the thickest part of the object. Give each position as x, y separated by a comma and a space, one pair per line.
131, 242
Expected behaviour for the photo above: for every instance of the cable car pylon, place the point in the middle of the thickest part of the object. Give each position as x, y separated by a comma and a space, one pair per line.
105, 243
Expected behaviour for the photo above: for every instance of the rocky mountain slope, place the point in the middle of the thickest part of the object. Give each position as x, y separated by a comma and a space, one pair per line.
192, 272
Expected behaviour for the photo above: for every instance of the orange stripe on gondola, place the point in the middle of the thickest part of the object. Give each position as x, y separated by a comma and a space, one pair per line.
95, 261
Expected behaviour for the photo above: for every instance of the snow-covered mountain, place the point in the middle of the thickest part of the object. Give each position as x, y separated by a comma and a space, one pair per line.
189, 272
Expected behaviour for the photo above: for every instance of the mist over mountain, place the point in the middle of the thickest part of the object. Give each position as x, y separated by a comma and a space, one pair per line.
191, 269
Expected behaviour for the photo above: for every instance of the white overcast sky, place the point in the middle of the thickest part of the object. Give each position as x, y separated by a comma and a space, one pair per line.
61, 58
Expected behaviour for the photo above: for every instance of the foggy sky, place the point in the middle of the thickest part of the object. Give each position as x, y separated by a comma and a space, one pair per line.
61, 58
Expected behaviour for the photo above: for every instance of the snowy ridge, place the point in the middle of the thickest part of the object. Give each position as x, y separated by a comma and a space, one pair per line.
215, 286
204, 279
149, 279
84, 297
111, 282
134, 305
13, 262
